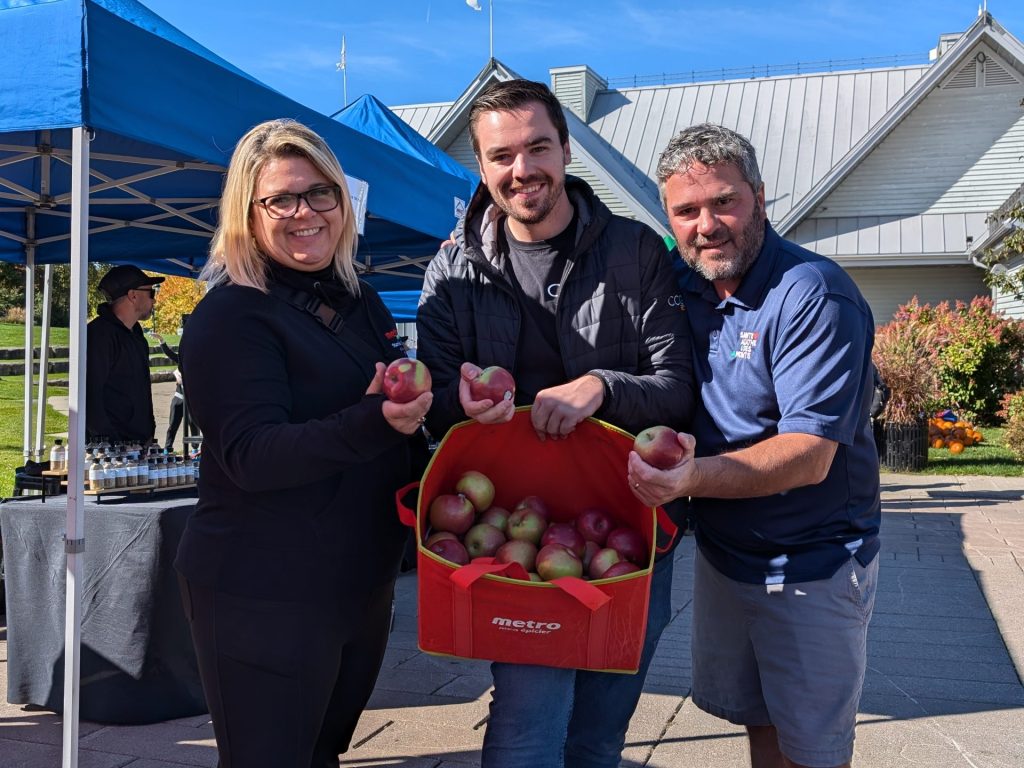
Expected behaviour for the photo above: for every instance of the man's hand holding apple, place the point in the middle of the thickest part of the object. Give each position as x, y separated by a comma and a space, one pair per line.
484, 411
557, 410
655, 487
403, 417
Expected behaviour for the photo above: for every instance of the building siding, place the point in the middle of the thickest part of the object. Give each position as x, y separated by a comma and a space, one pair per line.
941, 158
886, 288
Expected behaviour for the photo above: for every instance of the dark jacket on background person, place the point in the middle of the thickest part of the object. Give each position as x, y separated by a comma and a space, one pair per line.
118, 393
637, 342
299, 468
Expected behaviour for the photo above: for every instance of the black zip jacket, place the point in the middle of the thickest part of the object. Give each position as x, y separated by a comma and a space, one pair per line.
617, 315
118, 393
299, 467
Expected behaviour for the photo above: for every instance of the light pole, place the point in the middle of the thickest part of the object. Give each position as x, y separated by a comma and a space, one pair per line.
475, 5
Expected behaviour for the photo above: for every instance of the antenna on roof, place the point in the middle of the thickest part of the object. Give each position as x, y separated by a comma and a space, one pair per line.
342, 66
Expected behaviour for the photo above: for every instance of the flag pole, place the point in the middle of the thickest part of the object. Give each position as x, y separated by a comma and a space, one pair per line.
342, 66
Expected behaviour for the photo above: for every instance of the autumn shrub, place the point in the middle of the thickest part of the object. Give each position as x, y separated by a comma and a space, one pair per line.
178, 296
904, 355
1012, 412
978, 355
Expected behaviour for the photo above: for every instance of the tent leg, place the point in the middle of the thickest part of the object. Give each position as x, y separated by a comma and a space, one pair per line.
44, 360
75, 522
30, 289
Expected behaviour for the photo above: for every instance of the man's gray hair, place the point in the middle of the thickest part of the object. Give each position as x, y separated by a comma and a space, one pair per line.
708, 144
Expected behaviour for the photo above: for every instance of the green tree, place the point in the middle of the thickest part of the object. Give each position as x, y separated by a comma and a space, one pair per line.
997, 276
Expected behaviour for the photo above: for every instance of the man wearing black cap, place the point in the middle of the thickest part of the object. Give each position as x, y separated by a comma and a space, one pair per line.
119, 398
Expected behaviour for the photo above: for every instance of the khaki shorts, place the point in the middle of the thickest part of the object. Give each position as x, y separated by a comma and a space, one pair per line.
793, 658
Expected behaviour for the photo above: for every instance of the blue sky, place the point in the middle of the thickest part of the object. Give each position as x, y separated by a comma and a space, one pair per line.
409, 51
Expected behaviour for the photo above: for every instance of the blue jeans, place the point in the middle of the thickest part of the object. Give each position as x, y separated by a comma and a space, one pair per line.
544, 717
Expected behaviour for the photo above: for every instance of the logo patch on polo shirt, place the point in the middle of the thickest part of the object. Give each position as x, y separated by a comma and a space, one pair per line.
748, 343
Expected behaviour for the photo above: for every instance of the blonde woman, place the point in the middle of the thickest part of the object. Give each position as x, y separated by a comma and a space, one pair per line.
287, 566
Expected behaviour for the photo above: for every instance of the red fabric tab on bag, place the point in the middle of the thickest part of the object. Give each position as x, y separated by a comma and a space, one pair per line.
406, 515
464, 578
587, 594
666, 524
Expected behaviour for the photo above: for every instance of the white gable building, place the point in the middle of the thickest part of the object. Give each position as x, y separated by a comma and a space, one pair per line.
893, 172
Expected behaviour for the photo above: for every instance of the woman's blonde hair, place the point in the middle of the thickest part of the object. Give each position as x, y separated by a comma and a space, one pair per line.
234, 253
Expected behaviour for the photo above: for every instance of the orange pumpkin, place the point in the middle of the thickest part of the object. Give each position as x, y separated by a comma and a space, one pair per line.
938, 443
956, 447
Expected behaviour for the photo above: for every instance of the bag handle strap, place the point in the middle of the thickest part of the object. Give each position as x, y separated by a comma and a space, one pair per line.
406, 515
671, 529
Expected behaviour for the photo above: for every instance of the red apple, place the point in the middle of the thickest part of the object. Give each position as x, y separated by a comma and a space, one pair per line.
496, 516
437, 536
589, 550
517, 551
405, 380
451, 550
629, 543
566, 535
620, 569
483, 540
594, 525
450, 512
476, 487
602, 561
526, 525
536, 503
659, 447
555, 561
494, 384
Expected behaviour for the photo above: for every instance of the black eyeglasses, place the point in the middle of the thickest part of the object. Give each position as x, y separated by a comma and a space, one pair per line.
320, 199
150, 289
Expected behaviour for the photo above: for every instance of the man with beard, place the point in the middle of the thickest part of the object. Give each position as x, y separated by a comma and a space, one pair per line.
118, 393
780, 467
544, 281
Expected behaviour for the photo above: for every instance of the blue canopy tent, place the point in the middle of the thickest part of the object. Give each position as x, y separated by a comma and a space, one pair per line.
369, 116
115, 129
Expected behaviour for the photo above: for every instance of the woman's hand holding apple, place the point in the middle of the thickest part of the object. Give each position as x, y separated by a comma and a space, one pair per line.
403, 417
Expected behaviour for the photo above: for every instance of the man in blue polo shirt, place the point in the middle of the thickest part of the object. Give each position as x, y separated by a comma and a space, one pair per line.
781, 466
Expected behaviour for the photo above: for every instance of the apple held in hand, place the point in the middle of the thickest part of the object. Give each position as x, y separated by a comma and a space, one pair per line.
476, 487
494, 384
451, 550
405, 380
483, 540
555, 561
659, 447
451, 512
629, 544
526, 525
594, 525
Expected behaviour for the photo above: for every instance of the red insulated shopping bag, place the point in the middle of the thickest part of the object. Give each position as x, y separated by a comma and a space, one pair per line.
475, 611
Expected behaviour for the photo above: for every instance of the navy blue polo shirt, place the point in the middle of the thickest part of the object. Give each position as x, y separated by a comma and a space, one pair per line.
790, 351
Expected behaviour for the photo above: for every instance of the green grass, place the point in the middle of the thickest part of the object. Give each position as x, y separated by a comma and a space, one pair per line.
991, 457
13, 335
11, 410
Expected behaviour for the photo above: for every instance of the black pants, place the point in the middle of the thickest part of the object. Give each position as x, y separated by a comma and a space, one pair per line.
174, 416
285, 684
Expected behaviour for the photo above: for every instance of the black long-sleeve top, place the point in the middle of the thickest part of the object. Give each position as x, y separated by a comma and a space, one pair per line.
118, 393
299, 467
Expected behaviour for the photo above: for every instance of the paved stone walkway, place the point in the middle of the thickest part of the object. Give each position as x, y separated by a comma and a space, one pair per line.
946, 660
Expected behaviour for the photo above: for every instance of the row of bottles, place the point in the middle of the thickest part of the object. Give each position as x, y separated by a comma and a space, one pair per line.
123, 471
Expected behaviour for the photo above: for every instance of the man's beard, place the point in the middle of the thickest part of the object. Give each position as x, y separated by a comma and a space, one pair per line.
747, 244
540, 209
